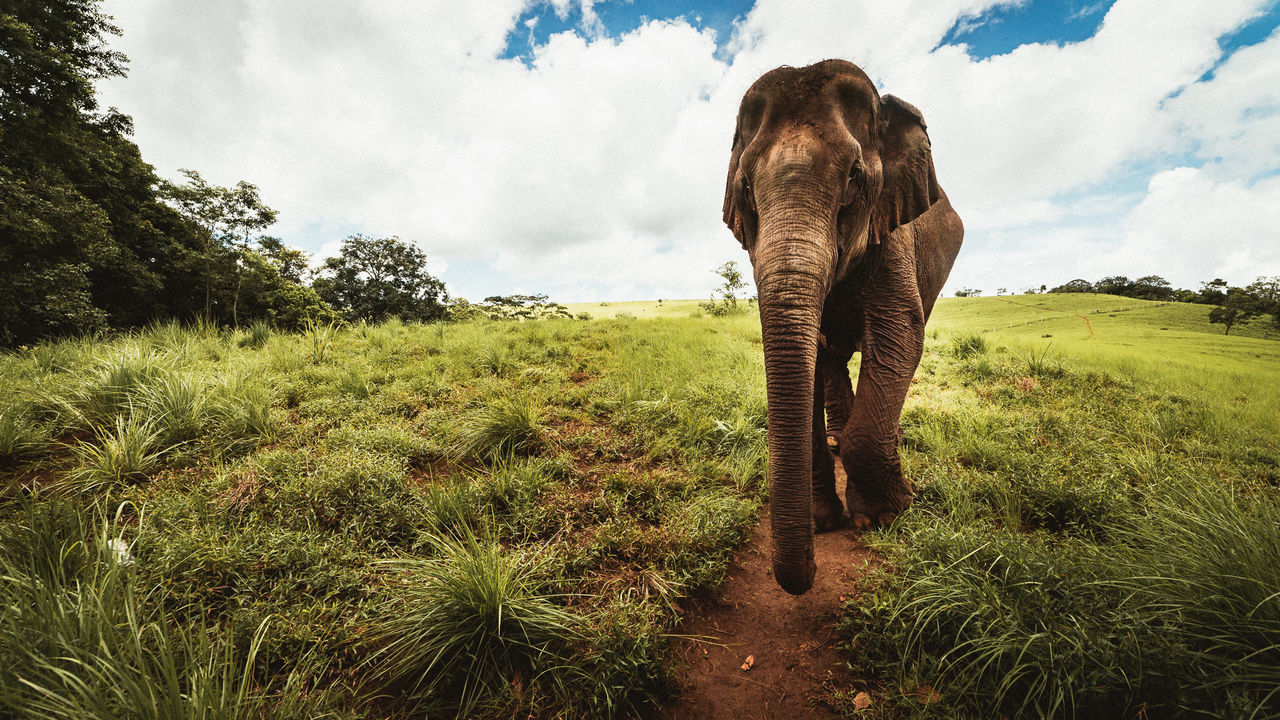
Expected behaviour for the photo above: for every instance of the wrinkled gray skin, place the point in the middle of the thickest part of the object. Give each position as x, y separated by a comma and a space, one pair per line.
831, 190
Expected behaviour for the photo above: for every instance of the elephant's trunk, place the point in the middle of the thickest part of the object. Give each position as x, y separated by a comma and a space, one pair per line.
793, 268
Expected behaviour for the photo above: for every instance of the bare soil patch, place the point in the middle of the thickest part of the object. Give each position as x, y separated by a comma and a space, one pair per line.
791, 640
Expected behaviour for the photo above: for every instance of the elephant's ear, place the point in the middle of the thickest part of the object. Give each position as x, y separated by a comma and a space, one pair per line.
909, 186
732, 217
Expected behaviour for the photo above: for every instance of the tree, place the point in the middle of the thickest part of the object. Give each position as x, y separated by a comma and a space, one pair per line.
1238, 307
1213, 292
1074, 286
292, 263
245, 213
227, 217
727, 304
1114, 285
968, 292
84, 241
1266, 290
268, 294
1151, 287
375, 278
522, 307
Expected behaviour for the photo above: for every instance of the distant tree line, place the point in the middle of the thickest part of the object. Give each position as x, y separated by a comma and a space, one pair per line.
1232, 305
91, 239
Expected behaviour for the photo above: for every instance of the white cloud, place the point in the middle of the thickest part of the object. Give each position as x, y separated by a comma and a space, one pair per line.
597, 170
1196, 227
1234, 119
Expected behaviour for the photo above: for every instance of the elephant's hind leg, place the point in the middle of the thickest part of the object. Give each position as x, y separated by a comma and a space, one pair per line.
827, 510
838, 392
876, 490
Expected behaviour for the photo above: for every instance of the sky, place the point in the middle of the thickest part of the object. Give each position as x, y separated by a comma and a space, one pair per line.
578, 148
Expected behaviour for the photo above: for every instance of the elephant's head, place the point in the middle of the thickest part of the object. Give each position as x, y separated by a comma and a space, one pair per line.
823, 170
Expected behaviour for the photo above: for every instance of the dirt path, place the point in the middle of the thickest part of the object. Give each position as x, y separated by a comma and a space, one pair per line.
792, 639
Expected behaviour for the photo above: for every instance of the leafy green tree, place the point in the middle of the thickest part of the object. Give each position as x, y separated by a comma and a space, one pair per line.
292, 263
84, 241
375, 278
522, 307
1074, 286
1114, 285
1266, 290
1151, 287
724, 299
269, 294
1212, 292
1237, 307
226, 218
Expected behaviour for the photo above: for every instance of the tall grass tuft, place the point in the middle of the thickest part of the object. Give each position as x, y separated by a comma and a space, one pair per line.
968, 344
79, 641
503, 427
1204, 562
111, 387
126, 451
177, 405
320, 337
471, 621
257, 335
242, 413
1043, 364
20, 434
496, 360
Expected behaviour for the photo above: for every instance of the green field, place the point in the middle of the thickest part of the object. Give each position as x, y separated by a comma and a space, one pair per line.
638, 309
500, 519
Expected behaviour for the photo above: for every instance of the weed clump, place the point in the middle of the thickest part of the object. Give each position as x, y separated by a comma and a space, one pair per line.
471, 624
81, 640
502, 427
128, 451
967, 345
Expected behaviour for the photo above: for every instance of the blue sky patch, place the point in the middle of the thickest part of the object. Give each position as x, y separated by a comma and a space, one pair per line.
1251, 33
1001, 30
540, 21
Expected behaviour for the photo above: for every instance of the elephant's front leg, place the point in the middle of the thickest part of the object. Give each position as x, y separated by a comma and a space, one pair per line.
827, 510
876, 491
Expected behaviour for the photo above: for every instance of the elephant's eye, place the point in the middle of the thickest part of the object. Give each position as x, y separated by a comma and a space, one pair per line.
855, 174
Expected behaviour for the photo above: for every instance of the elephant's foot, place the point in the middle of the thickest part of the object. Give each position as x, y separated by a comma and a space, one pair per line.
873, 507
827, 511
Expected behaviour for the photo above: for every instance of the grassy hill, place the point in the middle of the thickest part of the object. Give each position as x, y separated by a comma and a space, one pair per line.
492, 519
1171, 344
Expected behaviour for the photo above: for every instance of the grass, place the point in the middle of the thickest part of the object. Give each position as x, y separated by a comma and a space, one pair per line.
81, 640
312, 520
126, 452
272, 482
1090, 529
503, 426
474, 623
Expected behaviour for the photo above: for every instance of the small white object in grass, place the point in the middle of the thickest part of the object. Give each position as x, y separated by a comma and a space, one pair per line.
120, 549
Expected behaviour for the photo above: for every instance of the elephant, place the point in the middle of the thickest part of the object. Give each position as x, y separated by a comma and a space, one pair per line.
832, 192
